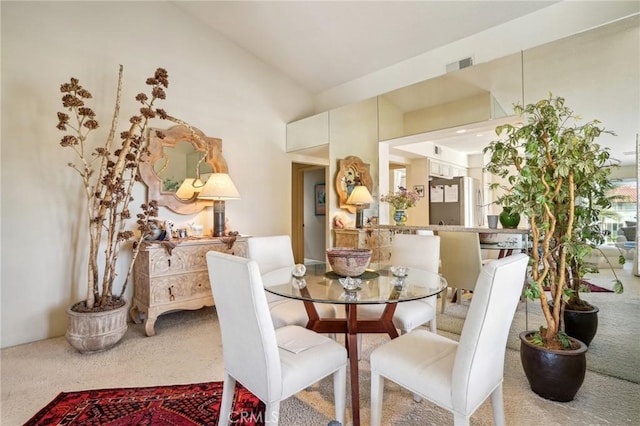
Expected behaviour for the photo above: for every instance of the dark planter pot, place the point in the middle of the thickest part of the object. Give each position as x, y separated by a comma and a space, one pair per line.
582, 325
553, 374
509, 219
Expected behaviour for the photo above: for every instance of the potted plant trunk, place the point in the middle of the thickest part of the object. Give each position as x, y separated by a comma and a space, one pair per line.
108, 173
544, 162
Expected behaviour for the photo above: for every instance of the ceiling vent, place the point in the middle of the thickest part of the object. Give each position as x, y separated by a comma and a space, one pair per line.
461, 64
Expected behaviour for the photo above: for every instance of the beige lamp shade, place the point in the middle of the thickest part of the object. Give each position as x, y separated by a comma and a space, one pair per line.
189, 187
219, 187
360, 195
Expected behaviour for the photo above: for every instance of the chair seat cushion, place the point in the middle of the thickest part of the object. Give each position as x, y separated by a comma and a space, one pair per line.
413, 356
306, 357
292, 312
407, 316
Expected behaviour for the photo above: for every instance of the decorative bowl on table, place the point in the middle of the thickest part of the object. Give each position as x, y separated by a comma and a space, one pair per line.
348, 262
399, 271
350, 284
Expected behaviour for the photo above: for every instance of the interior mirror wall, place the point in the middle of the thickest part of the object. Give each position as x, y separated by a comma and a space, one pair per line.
421, 121
478, 93
597, 74
604, 60
353, 131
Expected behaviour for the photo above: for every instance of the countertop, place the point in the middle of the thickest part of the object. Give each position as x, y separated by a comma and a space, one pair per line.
455, 228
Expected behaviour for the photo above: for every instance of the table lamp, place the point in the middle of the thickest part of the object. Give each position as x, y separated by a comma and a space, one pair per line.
359, 197
219, 188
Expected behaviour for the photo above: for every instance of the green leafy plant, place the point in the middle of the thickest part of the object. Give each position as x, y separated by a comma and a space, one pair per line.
557, 177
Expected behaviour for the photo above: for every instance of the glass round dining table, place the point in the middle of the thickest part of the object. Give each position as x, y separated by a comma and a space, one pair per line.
377, 286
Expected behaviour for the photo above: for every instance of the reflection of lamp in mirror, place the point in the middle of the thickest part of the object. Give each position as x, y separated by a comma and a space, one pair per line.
219, 188
189, 188
359, 197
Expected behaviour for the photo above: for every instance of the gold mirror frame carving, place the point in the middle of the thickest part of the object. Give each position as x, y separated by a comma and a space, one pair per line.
174, 135
351, 170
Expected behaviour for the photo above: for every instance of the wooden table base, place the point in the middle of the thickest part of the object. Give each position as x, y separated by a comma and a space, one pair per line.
350, 327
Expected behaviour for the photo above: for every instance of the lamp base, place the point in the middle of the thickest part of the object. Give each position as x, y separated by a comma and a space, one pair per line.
218, 218
359, 218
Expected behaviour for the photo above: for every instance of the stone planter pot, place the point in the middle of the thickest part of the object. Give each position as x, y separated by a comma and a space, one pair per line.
90, 332
553, 374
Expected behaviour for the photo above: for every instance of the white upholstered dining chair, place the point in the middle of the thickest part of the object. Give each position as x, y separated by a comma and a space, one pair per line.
274, 257
273, 364
417, 251
461, 261
458, 376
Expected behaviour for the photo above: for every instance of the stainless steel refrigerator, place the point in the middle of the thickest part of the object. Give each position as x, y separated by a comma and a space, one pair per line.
455, 201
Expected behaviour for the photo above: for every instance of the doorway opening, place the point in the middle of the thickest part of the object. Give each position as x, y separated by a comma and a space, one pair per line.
308, 215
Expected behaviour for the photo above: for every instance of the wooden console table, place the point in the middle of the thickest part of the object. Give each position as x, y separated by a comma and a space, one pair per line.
375, 239
171, 275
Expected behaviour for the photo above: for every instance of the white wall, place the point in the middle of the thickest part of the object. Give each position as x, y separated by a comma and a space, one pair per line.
214, 85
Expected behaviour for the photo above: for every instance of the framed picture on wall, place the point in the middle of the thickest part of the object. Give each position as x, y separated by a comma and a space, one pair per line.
419, 189
320, 199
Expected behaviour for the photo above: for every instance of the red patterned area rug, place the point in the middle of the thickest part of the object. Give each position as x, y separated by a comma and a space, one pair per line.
197, 404
596, 289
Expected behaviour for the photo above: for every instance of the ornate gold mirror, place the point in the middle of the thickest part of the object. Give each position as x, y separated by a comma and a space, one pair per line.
183, 156
351, 172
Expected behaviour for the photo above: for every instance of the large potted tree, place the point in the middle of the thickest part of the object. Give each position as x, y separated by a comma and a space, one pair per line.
108, 172
544, 162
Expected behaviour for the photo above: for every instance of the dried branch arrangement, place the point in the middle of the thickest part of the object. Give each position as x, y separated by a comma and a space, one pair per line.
109, 173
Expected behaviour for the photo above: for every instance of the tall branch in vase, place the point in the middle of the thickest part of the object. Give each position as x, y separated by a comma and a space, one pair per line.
109, 173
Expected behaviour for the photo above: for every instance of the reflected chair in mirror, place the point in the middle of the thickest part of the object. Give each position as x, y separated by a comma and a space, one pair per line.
458, 376
413, 251
273, 364
274, 257
461, 262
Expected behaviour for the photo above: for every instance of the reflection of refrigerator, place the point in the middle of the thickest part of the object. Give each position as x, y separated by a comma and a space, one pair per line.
455, 201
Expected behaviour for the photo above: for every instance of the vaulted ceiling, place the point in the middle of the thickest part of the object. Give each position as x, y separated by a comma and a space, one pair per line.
324, 44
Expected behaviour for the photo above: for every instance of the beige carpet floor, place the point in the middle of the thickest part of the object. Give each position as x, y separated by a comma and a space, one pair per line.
187, 349
609, 352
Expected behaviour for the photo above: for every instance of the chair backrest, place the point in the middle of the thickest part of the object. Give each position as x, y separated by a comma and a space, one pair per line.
424, 232
419, 251
271, 253
479, 362
249, 345
461, 258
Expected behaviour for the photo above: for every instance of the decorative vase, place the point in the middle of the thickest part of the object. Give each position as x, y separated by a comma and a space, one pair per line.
89, 332
582, 325
400, 217
509, 219
553, 374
